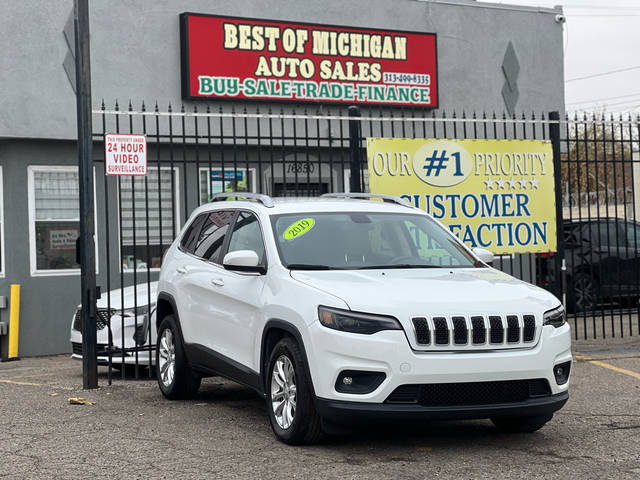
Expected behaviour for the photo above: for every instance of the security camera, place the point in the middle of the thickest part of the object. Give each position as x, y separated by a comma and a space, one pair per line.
560, 18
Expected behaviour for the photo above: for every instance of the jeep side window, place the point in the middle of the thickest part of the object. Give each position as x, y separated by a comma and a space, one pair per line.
247, 235
212, 235
188, 242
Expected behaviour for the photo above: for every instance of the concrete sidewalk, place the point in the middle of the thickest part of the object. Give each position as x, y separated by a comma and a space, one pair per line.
133, 432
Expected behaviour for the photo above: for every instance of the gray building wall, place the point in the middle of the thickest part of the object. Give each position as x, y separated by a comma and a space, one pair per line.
135, 52
136, 55
47, 303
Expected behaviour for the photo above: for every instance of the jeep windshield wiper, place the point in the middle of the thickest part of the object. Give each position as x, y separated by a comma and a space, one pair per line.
309, 266
398, 265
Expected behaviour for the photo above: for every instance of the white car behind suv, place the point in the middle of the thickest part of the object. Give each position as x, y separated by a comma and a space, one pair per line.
125, 314
342, 310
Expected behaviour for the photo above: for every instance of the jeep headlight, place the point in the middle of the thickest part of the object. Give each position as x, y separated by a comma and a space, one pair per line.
556, 317
138, 311
136, 316
354, 322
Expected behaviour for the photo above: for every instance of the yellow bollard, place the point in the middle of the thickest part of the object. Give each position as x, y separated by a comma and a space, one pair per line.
14, 321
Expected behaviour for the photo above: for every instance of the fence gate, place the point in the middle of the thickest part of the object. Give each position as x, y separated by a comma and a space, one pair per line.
196, 153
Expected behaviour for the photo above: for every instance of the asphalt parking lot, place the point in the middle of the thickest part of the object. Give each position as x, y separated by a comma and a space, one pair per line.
132, 432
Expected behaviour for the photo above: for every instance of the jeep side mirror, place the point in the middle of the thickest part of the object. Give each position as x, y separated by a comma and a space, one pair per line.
483, 254
243, 261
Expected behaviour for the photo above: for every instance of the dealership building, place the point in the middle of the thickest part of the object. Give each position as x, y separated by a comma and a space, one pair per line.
471, 57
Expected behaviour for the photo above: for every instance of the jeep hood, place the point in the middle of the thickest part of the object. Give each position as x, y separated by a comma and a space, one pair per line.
130, 293
403, 293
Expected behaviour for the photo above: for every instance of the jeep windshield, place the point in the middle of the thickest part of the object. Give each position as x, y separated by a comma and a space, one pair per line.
359, 240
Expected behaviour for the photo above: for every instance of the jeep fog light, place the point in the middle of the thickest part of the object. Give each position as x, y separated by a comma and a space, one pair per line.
357, 382
561, 372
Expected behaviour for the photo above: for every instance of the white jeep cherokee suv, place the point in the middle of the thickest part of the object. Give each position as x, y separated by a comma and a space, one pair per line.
342, 310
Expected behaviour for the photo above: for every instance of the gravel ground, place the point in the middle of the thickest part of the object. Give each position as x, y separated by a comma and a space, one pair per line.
133, 432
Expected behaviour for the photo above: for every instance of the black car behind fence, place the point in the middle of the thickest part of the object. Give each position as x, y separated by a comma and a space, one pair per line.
196, 152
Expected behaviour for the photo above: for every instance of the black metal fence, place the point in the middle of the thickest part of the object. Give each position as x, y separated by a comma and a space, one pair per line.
194, 153
600, 178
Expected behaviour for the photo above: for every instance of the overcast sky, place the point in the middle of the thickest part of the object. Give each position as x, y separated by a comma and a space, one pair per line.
599, 36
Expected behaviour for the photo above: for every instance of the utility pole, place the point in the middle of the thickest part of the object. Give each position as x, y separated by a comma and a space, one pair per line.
85, 177
356, 153
560, 263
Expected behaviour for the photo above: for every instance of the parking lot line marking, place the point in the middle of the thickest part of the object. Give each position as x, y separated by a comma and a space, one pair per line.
13, 382
614, 368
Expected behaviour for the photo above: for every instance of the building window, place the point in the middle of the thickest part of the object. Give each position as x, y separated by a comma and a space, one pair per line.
234, 180
149, 217
54, 219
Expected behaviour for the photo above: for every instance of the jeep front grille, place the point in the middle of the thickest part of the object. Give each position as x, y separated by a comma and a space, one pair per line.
478, 330
102, 318
441, 331
470, 393
460, 331
475, 332
496, 329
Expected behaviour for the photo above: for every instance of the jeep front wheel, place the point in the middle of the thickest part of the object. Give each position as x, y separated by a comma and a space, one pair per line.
520, 424
289, 398
175, 376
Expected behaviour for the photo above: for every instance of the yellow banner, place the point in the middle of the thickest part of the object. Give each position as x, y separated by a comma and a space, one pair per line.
493, 194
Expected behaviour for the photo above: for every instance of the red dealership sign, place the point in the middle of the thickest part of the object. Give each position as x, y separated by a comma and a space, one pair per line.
241, 58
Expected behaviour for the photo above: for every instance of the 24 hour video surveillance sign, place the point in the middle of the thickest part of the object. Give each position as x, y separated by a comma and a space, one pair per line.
493, 194
241, 58
125, 154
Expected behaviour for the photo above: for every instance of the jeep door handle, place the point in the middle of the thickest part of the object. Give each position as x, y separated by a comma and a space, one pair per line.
181, 269
218, 282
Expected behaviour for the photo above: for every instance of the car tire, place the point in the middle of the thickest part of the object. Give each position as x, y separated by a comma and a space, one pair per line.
581, 294
292, 414
175, 377
520, 424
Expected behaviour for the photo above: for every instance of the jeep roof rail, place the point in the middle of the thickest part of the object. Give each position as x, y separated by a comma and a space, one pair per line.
266, 200
368, 196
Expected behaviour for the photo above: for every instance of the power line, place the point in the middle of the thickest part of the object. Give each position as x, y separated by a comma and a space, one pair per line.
594, 100
632, 109
602, 7
602, 74
589, 7
619, 103
573, 15
622, 108
616, 104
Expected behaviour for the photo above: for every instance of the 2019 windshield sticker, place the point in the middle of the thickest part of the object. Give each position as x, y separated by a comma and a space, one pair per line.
298, 228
